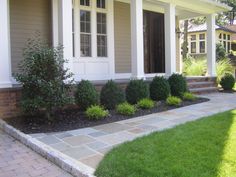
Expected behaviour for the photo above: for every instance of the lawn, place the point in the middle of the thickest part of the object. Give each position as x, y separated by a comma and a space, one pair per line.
204, 148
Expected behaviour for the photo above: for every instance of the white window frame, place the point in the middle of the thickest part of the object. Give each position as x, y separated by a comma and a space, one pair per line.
202, 40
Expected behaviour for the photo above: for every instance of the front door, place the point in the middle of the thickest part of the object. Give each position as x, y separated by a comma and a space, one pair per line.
154, 42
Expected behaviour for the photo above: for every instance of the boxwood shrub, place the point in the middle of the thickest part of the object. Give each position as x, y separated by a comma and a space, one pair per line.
159, 89
227, 81
136, 90
173, 101
189, 96
126, 109
178, 85
96, 113
111, 95
86, 95
146, 103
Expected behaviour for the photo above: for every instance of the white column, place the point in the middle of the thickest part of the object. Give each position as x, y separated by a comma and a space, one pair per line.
137, 53
211, 45
65, 31
170, 39
5, 50
55, 22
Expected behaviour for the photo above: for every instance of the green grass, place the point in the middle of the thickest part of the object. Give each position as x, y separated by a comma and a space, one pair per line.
204, 148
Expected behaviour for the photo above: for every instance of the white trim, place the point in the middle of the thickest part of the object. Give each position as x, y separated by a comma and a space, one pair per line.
65, 31
170, 39
5, 46
123, 75
137, 53
55, 22
211, 45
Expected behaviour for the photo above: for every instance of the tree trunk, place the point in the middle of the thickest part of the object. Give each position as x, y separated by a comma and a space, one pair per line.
185, 43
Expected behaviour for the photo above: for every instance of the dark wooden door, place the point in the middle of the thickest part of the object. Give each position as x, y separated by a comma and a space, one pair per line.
154, 42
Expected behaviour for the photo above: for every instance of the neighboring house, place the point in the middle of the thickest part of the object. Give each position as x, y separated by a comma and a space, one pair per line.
233, 27
105, 39
197, 39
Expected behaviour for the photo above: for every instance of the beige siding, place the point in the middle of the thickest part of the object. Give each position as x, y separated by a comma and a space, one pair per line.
122, 38
26, 18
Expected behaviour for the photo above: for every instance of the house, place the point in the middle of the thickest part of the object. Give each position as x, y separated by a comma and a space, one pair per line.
233, 27
197, 39
104, 39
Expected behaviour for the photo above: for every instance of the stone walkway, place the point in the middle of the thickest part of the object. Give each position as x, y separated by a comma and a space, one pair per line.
89, 145
16, 160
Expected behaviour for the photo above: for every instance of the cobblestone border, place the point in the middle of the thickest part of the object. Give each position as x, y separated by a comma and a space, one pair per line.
66, 163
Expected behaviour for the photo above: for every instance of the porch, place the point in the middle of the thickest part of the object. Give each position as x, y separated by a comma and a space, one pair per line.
115, 39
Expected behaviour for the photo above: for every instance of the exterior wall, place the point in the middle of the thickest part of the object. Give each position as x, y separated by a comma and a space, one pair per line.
26, 18
9, 102
122, 29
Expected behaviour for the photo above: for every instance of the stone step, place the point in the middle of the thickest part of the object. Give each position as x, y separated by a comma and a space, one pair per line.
192, 85
203, 90
200, 79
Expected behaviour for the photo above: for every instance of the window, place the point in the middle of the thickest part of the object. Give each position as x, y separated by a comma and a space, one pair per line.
85, 33
101, 35
202, 46
193, 37
85, 2
220, 36
229, 47
229, 37
193, 47
101, 4
224, 36
202, 43
202, 36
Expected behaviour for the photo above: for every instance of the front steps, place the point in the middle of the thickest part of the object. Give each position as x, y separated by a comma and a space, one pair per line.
202, 85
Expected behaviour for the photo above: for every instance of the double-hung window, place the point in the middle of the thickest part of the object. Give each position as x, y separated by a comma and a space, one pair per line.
193, 44
202, 43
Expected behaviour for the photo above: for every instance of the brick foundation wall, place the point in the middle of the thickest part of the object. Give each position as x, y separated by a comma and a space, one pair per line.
9, 102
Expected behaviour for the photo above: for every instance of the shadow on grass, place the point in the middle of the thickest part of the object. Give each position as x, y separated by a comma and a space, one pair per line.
204, 148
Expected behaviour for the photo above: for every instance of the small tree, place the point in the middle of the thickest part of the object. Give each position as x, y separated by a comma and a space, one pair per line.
43, 76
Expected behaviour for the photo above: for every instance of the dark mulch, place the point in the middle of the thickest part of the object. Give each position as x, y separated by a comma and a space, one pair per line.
73, 119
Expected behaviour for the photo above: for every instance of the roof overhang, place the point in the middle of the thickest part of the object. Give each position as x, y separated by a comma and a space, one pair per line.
186, 9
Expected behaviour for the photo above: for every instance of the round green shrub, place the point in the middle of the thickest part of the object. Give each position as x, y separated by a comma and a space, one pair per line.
86, 95
173, 101
189, 96
111, 95
178, 85
146, 103
227, 81
96, 113
159, 89
126, 109
136, 90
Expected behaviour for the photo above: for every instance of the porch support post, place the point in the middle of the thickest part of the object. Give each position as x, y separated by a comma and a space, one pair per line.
170, 39
5, 50
211, 45
137, 53
65, 31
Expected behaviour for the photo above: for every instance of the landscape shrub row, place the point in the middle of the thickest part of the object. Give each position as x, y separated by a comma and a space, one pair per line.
137, 95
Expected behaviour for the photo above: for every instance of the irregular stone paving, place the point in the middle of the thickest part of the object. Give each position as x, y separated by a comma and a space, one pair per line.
16, 160
89, 145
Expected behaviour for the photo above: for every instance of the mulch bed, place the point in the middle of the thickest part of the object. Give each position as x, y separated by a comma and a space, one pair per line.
71, 119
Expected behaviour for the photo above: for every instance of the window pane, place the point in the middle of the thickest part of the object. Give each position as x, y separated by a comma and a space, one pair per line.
101, 23
102, 46
228, 37
224, 36
84, 3
202, 47
193, 47
85, 21
101, 4
220, 36
224, 44
85, 45
202, 36
193, 37
229, 47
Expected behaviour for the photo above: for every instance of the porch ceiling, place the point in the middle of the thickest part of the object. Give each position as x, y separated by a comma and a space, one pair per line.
186, 8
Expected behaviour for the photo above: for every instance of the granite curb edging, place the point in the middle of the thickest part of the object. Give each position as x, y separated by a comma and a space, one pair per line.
66, 163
